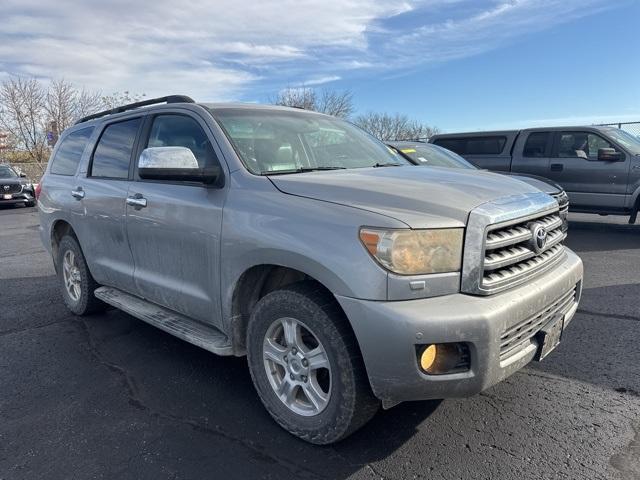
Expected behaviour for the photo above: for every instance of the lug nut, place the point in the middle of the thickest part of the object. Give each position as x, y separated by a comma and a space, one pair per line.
285, 358
294, 350
292, 376
305, 362
304, 378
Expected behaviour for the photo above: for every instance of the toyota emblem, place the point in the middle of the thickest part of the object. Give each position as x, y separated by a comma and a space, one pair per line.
539, 240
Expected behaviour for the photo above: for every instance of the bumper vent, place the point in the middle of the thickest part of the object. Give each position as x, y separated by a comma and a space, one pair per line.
517, 250
513, 339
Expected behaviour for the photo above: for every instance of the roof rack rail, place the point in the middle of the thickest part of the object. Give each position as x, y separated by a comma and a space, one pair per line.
143, 103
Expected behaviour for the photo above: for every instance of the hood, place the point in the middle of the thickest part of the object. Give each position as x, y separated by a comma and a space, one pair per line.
544, 184
425, 197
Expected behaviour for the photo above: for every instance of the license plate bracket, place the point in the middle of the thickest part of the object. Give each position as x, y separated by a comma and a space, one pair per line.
549, 337
7, 196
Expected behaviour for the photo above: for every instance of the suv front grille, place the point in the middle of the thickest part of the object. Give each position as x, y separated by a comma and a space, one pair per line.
513, 339
511, 255
14, 188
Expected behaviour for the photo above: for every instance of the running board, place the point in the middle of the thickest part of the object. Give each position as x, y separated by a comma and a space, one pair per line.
192, 331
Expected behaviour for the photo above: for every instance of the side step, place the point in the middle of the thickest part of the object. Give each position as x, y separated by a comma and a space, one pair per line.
171, 322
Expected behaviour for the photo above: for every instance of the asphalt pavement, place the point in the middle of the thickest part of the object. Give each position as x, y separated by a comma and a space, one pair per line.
108, 396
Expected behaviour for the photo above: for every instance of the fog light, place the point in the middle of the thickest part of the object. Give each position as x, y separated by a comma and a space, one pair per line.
443, 358
428, 357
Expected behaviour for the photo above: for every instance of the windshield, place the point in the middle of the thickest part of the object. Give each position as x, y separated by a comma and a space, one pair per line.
434, 156
628, 141
280, 141
7, 172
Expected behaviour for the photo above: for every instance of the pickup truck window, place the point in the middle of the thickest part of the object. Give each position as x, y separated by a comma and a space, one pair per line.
67, 158
476, 145
281, 141
580, 145
536, 145
182, 131
112, 155
628, 141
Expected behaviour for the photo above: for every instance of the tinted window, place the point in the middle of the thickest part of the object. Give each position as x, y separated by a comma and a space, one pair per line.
182, 131
581, 145
473, 145
457, 145
69, 153
113, 154
536, 145
485, 145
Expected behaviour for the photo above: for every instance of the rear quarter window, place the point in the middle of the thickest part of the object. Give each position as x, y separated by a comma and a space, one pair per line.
69, 153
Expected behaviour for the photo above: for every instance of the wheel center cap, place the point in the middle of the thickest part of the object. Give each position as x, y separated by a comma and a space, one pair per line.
295, 366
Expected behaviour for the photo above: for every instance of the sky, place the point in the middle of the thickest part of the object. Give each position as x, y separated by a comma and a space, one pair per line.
454, 64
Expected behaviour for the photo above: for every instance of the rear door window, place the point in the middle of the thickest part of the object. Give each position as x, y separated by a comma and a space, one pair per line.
112, 156
537, 145
69, 153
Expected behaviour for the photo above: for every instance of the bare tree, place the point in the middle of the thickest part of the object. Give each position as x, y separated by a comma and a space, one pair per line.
338, 104
331, 102
387, 127
117, 99
65, 104
23, 115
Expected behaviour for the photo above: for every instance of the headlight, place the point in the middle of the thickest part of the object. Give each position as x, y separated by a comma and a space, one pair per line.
415, 252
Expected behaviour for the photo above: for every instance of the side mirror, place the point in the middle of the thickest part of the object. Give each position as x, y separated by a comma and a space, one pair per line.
174, 163
23, 175
609, 155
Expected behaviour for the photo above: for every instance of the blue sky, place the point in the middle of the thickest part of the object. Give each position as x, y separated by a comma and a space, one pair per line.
455, 64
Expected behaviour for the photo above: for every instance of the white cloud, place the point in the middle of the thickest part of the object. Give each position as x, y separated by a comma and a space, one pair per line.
221, 50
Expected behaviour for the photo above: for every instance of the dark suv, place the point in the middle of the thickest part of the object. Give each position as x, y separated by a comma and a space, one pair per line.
15, 189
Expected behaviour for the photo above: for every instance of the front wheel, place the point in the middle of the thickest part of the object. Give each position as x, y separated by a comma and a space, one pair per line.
306, 366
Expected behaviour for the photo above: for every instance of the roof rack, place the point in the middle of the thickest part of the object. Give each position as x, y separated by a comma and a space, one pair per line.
144, 103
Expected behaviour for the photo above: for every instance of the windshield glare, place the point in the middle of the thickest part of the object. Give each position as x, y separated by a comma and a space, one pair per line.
434, 156
280, 141
627, 140
7, 172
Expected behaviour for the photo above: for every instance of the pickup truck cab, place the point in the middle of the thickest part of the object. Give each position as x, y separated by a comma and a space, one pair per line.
348, 278
599, 167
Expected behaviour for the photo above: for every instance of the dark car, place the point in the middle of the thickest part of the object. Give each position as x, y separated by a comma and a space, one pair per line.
15, 189
420, 153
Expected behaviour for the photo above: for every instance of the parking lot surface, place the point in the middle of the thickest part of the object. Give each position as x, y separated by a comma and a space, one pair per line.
108, 396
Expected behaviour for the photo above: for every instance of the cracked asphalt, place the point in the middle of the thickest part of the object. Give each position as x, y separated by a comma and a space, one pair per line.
108, 396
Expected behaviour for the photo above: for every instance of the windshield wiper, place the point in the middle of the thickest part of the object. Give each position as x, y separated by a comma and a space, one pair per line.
301, 170
378, 165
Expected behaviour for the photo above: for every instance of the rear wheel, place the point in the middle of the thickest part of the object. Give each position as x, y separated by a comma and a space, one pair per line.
306, 365
75, 280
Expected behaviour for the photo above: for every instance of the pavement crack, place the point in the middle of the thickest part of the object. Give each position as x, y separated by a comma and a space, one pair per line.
12, 331
617, 316
134, 399
626, 462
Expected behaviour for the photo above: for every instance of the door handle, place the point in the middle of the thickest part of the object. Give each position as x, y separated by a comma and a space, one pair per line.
137, 201
78, 193
556, 167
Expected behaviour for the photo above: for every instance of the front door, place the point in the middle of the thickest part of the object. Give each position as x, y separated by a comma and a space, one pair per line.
175, 237
589, 182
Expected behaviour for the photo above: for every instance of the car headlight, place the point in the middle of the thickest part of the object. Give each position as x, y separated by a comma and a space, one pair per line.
415, 252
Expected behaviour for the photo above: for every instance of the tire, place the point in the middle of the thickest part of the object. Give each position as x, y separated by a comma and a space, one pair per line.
31, 204
79, 299
345, 402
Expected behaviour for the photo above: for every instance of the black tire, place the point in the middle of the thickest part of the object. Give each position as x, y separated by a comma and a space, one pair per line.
351, 403
31, 204
87, 303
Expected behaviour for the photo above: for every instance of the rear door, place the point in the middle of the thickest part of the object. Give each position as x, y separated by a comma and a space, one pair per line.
175, 238
532, 153
102, 194
589, 182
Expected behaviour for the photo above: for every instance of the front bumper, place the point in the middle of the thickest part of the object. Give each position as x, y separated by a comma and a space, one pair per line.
16, 198
388, 333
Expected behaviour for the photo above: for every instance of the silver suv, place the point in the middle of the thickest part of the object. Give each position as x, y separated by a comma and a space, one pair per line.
349, 278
